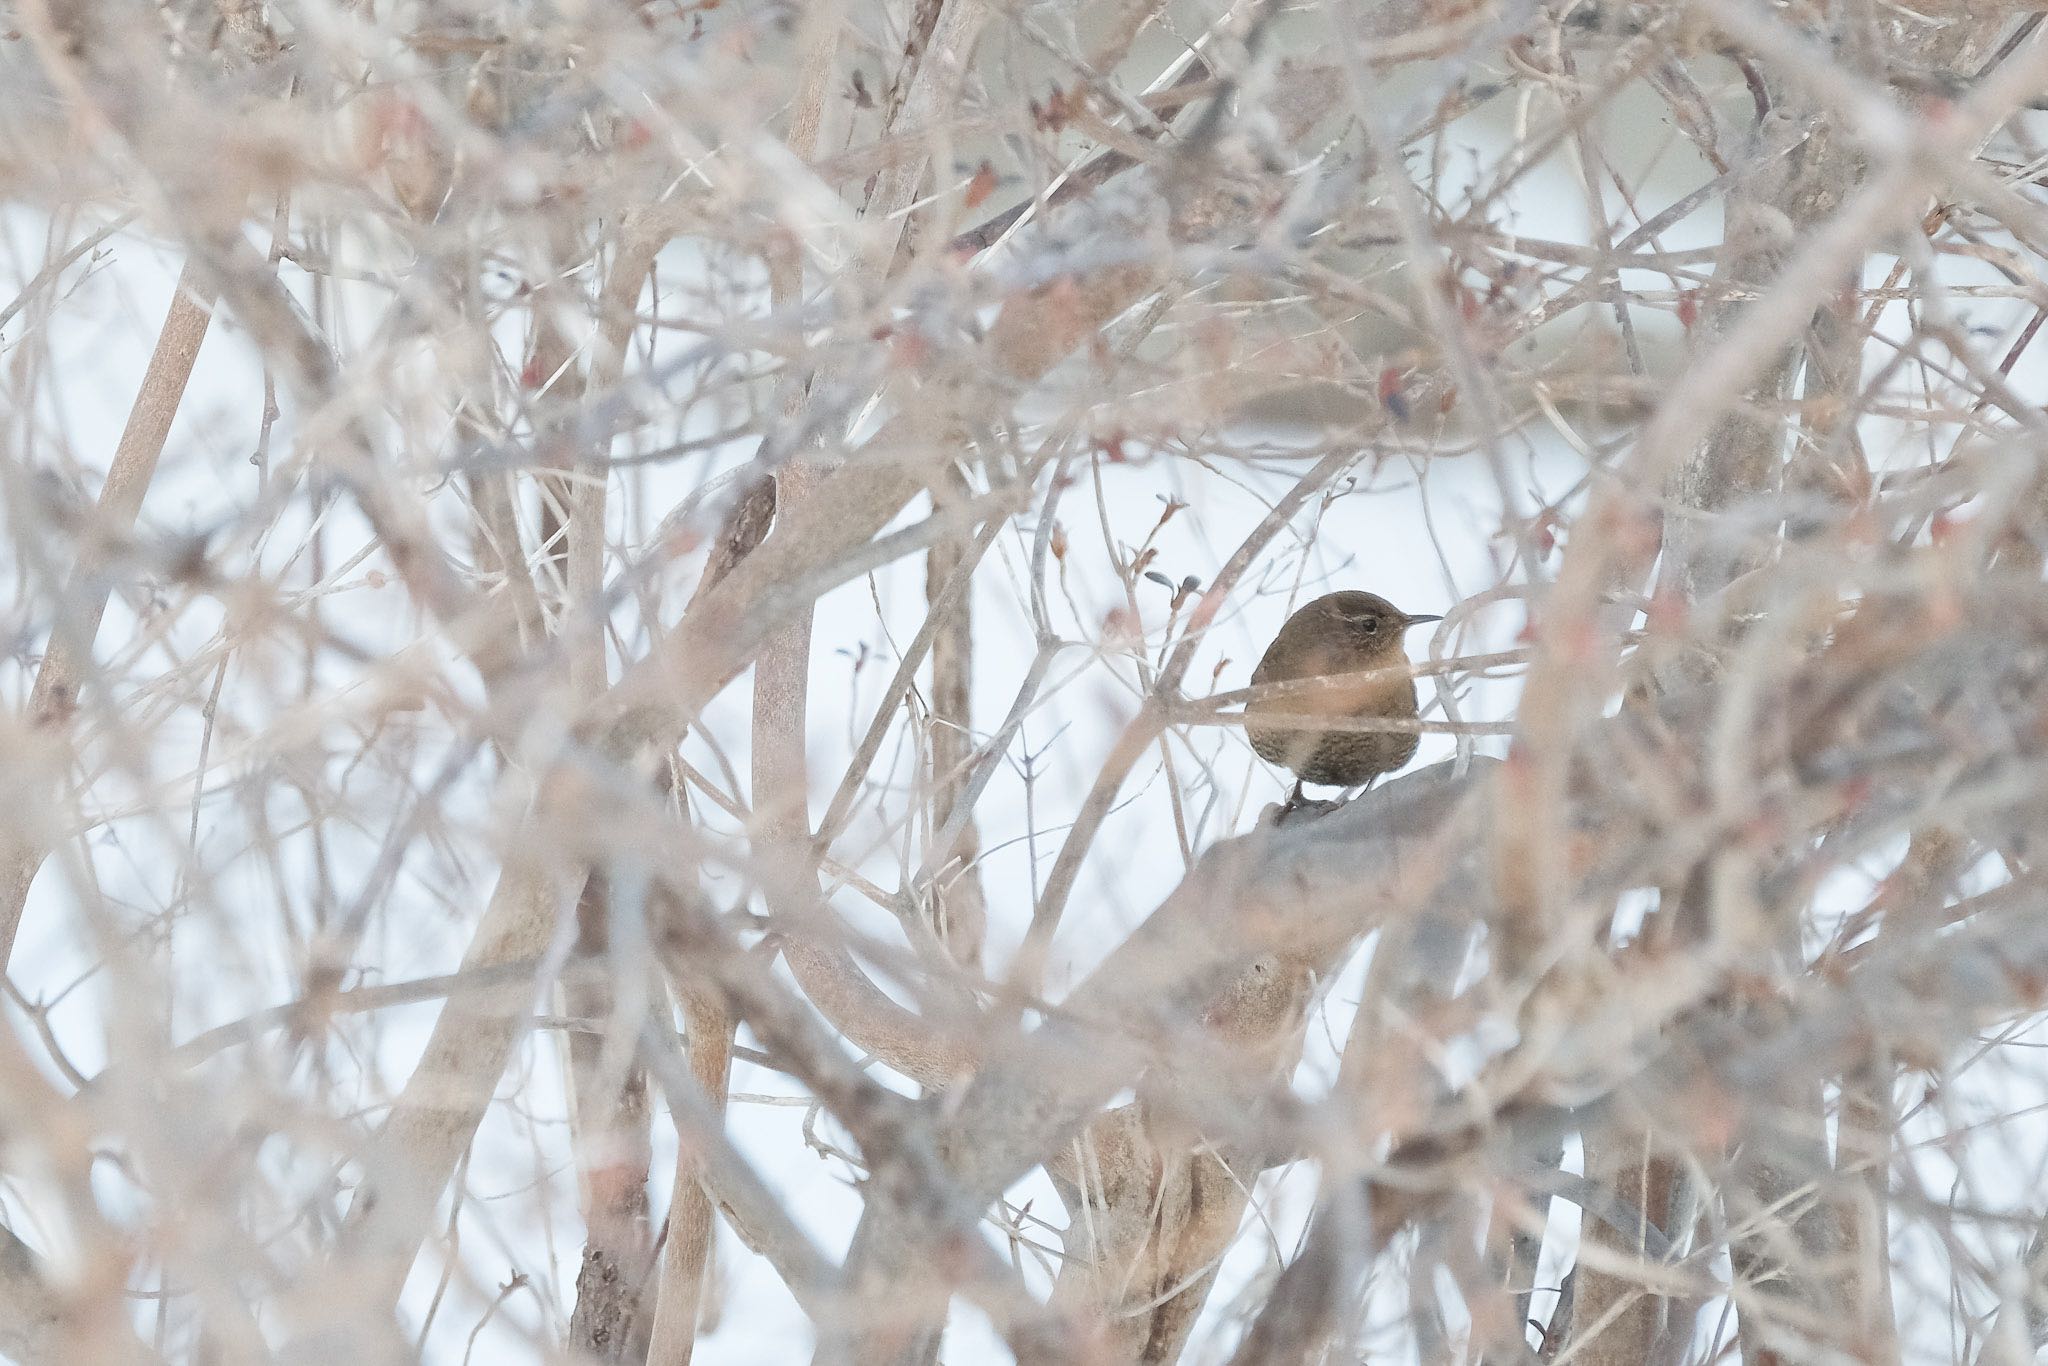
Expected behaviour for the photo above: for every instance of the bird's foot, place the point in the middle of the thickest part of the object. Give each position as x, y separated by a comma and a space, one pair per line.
1297, 808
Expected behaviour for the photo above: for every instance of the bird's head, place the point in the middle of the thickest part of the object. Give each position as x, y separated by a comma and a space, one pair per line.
1366, 622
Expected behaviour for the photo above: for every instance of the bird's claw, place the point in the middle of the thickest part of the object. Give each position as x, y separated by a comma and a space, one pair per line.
1297, 807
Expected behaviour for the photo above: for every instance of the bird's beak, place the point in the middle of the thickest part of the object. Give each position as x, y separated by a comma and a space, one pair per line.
1418, 618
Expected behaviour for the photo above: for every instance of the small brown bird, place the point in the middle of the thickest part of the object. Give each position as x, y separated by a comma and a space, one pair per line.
1338, 633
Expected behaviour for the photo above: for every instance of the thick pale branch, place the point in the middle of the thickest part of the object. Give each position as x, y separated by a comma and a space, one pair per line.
1296, 892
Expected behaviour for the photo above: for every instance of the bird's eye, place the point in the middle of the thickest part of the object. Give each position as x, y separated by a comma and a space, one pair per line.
1370, 625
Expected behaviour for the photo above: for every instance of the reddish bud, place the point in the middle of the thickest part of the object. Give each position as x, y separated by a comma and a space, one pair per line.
1390, 393
982, 186
1583, 640
1667, 613
910, 350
